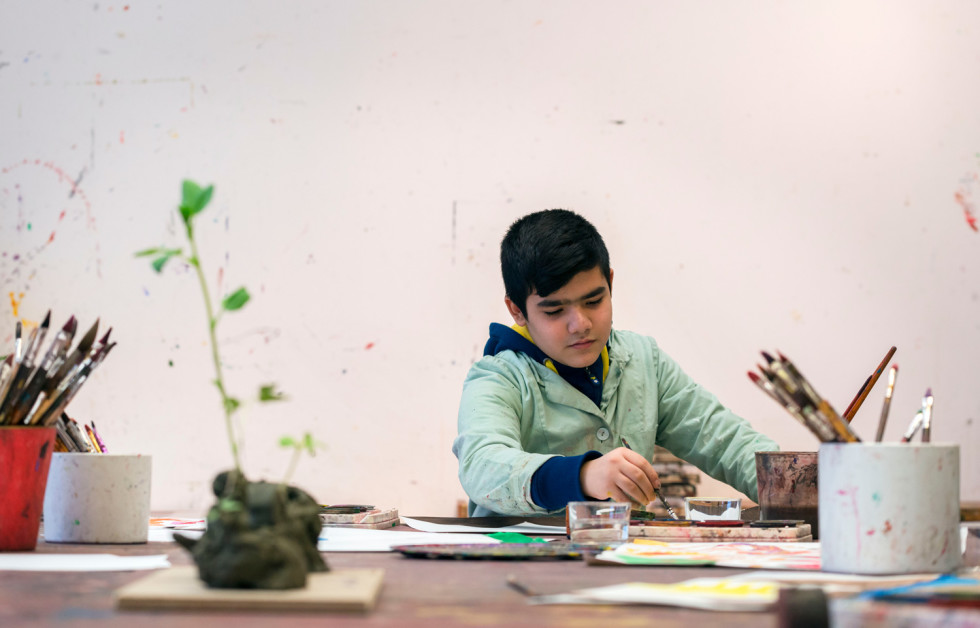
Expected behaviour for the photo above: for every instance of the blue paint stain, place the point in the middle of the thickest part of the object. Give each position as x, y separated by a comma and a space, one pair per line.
876, 497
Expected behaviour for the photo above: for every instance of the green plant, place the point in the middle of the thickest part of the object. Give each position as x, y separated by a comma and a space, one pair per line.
194, 200
306, 443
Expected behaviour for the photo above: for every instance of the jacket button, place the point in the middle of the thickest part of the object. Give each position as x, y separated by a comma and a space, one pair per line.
602, 434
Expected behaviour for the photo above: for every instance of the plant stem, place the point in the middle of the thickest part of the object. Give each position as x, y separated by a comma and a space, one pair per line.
297, 452
212, 324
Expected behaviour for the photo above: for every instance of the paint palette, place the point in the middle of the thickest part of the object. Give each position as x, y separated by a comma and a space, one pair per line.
344, 509
496, 551
364, 517
730, 530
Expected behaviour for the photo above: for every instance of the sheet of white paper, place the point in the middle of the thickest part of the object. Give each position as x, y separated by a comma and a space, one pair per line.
823, 577
166, 535
524, 528
355, 540
833, 583
34, 561
713, 594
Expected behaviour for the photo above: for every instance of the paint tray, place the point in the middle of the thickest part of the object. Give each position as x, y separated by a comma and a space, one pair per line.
497, 551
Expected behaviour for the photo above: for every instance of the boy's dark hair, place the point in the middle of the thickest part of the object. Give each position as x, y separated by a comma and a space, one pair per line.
541, 252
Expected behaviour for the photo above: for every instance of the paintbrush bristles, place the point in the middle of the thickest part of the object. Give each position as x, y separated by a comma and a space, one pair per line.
927, 416
886, 406
784, 383
31, 390
913, 427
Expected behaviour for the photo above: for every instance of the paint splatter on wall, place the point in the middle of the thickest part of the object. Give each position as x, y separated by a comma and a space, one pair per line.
964, 198
32, 218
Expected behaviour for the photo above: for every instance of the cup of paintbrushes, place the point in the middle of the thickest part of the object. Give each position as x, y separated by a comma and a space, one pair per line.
25, 457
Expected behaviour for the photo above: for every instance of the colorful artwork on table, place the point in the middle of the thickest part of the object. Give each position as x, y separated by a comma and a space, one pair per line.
804, 556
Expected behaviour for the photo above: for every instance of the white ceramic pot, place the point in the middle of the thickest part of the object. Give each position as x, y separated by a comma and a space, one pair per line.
889, 508
97, 498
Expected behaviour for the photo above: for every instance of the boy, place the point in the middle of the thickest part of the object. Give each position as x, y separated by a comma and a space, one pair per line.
545, 412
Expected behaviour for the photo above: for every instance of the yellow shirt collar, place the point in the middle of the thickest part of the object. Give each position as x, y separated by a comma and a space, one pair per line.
522, 330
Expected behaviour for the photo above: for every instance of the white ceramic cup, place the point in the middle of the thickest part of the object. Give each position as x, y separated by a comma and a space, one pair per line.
97, 498
889, 508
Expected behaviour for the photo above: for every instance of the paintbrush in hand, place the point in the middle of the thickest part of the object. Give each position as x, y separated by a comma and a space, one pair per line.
660, 496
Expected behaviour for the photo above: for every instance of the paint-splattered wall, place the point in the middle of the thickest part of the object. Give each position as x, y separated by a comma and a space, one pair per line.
767, 175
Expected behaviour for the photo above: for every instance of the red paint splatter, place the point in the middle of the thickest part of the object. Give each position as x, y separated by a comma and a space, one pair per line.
61, 216
122, 137
967, 206
870, 532
76, 191
888, 527
368, 346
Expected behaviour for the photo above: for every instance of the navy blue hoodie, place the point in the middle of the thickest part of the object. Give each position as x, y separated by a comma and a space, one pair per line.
557, 481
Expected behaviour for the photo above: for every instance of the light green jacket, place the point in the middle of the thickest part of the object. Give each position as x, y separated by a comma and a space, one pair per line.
516, 413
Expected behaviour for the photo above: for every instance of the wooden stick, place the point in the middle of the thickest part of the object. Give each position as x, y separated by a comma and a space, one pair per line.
868, 385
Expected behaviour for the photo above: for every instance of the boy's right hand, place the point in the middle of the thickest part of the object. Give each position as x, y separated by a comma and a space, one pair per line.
622, 474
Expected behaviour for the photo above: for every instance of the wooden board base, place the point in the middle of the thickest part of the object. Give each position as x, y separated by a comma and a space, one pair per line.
796, 534
345, 590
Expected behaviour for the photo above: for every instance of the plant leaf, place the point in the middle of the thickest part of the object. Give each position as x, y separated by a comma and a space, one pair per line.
189, 193
287, 441
228, 504
268, 392
148, 252
165, 255
231, 404
194, 199
236, 300
309, 443
204, 198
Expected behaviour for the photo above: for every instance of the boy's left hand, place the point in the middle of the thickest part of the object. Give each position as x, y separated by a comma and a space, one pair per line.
622, 475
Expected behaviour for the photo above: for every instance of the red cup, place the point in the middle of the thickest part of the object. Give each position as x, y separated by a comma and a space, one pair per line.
25, 456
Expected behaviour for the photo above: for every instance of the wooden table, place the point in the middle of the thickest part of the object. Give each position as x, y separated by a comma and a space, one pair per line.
416, 592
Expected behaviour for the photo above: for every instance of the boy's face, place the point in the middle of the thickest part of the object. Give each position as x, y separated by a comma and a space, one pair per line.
572, 324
